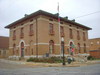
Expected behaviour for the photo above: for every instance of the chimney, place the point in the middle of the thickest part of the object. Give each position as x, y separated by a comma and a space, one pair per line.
73, 20
66, 17
26, 15
56, 14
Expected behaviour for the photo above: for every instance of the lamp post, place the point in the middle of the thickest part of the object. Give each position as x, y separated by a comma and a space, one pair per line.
62, 45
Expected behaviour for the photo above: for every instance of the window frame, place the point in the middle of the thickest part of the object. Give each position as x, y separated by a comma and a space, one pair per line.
31, 31
62, 31
22, 33
14, 35
51, 29
71, 33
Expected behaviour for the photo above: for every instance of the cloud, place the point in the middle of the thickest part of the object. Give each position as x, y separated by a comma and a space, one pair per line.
12, 10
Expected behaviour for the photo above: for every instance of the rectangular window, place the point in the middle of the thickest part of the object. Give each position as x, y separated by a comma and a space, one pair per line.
62, 31
22, 33
51, 30
14, 35
84, 36
31, 30
71, 34
78, 35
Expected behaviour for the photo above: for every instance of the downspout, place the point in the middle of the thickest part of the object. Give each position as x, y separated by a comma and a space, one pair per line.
36, 38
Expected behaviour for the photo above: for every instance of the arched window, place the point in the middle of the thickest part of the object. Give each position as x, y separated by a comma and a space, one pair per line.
14, 48
22, 45
84, 48
79, 48
51, 46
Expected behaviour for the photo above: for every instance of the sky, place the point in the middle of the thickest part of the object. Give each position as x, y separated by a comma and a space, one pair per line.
86, 12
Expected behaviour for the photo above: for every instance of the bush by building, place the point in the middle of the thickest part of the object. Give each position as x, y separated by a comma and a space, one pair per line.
45, 60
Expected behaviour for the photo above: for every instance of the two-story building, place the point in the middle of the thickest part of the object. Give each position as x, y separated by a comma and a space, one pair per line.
40, 33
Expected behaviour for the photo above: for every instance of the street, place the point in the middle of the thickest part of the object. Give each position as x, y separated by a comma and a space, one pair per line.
20, 69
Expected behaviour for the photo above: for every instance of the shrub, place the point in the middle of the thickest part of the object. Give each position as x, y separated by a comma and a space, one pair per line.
90, 58
30, 59
45, 60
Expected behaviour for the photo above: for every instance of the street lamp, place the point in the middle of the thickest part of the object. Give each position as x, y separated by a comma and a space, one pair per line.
62, 45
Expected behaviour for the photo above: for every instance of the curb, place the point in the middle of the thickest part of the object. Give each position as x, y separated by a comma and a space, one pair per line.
33, 64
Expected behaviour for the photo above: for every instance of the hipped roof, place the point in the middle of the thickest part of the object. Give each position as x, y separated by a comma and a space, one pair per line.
41, 12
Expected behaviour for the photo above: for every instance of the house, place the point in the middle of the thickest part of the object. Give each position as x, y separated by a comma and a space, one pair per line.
4, 46
94, 47
39, 34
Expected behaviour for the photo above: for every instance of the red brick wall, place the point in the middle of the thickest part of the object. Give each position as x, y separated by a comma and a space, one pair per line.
95, 54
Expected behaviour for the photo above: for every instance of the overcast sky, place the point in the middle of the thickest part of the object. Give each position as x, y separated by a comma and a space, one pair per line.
12, 10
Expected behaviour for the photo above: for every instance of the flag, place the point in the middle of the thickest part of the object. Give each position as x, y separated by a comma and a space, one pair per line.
58, 7
58, 19
72, 50
58, 13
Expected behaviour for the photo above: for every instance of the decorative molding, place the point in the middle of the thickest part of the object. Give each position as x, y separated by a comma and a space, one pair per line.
41, 44
27, 45
70, 41
44, 44
57, 44
10, 47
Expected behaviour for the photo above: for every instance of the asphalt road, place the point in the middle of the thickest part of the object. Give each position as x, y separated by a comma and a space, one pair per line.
18, 69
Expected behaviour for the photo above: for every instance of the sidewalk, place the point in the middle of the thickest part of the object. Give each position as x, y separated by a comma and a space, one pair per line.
73, 64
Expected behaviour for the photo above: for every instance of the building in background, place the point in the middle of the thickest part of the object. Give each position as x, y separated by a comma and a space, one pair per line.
94, 47
37, 35
4, 46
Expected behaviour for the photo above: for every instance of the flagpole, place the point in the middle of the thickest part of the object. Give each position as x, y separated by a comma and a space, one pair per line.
59, 30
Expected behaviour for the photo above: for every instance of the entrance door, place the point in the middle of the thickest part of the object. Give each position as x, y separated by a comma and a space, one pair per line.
22, 49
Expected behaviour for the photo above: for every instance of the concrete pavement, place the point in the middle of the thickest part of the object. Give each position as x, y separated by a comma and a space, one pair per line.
22, 69
73, 64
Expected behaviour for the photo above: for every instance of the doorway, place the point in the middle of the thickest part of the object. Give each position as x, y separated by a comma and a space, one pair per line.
71, 48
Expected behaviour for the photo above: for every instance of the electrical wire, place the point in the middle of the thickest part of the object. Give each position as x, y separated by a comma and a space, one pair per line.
88, 14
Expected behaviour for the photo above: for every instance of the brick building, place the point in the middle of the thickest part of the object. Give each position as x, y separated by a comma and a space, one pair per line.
94, 47
4, 46
38, 34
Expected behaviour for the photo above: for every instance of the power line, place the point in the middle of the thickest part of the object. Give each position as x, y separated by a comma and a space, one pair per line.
88, 14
